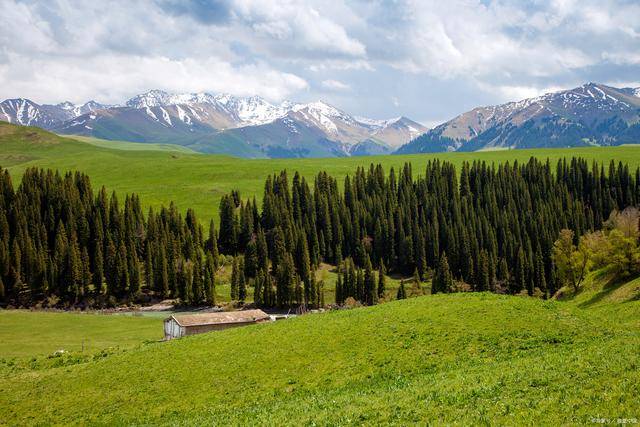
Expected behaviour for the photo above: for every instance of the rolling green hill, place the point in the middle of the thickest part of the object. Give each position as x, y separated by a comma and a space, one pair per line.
199, 181
459, 358
131, 146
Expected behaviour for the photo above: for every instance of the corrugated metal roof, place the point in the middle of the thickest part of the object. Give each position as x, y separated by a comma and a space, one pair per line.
221, 317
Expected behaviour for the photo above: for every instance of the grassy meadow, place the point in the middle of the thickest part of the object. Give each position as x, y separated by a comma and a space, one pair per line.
168, 173
444, 359
25, 333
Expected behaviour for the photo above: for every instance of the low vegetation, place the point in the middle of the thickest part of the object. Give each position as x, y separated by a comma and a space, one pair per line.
32, 334
458, 358
558, 236
614, 251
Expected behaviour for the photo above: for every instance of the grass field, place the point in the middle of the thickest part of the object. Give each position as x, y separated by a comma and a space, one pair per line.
25, 333
199, 181
462, 358
132, 146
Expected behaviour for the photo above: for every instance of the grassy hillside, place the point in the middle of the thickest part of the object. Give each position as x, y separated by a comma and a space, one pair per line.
131, 146
462, 358
199, 181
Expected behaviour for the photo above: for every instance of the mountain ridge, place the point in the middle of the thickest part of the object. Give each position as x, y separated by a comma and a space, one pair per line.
592, 114
211, 123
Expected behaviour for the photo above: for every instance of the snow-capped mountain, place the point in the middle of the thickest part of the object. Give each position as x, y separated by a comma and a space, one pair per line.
592, 114
221, 123
27, 113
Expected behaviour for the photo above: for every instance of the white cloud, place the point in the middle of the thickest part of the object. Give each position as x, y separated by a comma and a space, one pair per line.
300, 23
58, 51
507, 93
113, 78
335, 85
390, 56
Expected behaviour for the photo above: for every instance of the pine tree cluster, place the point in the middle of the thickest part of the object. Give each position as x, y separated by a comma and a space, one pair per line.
489, 228
59, 239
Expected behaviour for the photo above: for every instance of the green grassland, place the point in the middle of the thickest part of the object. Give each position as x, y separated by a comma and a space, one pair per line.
25, 333
131, 146
444, 359
199, 181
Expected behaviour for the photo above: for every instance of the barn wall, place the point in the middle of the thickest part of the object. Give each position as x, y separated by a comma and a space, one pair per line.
172, 329
198, 329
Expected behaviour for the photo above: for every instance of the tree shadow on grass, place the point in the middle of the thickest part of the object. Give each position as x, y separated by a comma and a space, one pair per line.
611, 284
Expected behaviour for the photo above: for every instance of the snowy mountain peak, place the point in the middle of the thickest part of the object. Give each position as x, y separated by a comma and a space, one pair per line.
22, 111
67, 105
636, 92
591, 114
320, 108
280, 129
223, 98
255, 110
152, 98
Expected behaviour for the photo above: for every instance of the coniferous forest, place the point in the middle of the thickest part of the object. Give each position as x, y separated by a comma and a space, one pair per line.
483, 228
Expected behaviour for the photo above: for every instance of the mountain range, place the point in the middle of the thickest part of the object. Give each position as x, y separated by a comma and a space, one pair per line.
246, 127
592, 114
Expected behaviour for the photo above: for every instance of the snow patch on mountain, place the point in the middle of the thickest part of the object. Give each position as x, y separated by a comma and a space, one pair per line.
166, 117
183, 116
152, 98
321, 114
255, 110
315, 124
151, 114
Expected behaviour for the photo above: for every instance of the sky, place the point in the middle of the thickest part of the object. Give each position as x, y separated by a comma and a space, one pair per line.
427, 60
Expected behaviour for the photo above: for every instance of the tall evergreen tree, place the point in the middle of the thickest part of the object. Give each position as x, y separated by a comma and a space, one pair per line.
402, 293
381, 280
443, 280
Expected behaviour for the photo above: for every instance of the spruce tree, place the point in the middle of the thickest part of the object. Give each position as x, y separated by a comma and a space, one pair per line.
416, 288
483, 272
402, 293
370, 291
381, 280
242, 281
443, 280
235, 279
339, 289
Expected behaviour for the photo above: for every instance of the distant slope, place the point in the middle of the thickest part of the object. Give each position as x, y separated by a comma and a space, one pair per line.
593, 114
461, 358
130, 146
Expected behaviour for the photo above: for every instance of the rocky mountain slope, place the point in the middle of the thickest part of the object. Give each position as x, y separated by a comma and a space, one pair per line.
222, 123
592, 114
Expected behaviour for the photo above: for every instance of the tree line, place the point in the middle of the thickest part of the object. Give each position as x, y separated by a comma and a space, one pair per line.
63, 244
486, 228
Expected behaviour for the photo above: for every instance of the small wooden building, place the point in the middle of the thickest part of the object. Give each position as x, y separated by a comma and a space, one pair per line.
191, 324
